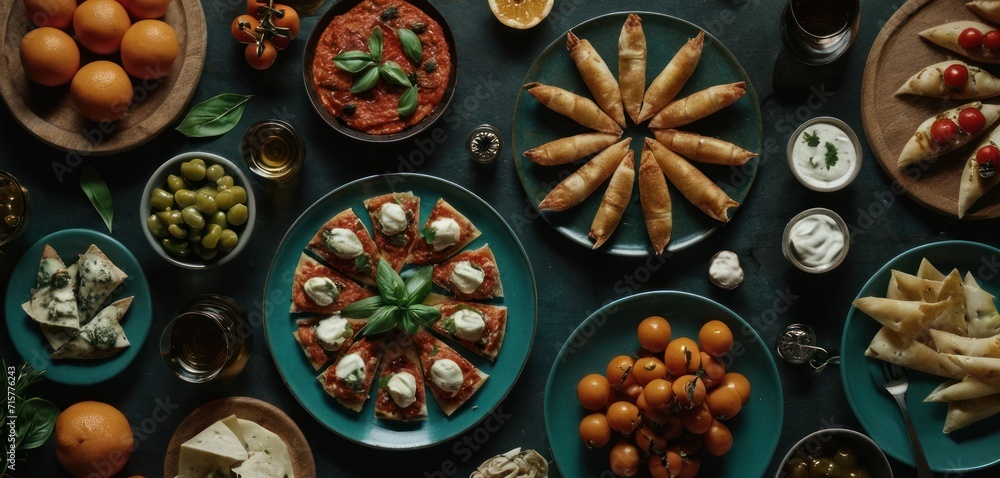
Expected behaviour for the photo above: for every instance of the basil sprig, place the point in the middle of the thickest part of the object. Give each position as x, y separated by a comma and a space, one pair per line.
368, 67
398, 305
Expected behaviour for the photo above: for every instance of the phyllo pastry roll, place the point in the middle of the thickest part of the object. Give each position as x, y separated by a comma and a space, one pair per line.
615, 200
579, 185
654, 197
571, 148
632, 66
692, 183
597, 76
698, 105
704, 149
574, 107
669, 82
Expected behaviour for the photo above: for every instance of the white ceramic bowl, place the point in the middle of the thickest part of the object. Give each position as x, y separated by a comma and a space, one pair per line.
787, 249
817, 185
867, 452
159, 180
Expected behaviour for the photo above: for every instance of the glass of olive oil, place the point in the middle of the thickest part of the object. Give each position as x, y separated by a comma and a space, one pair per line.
210, 339
273, 151
13, 208
817, 32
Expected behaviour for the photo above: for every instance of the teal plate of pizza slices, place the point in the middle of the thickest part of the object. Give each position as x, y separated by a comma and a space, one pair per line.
27, 336
534, 125
966, 449
611, 331
519, 297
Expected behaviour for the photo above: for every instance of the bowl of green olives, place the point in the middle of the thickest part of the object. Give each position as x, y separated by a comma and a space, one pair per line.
835, 453
198, 210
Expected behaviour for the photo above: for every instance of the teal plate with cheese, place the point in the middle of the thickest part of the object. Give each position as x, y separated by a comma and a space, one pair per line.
967, 449
534, 125
26, 334
611, 331
519, 298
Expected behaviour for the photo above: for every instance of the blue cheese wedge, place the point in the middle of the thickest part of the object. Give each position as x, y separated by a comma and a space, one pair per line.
53, 301
211, 453
102, 337
98, 278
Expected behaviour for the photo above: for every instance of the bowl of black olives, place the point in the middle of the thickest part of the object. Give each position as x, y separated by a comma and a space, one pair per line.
198, 210
835, 453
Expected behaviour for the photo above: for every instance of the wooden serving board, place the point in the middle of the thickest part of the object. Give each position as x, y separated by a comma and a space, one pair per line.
263, 413
48, 113
889, 121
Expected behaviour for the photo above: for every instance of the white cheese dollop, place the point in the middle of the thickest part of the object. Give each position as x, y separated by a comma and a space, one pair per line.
466, 277
469, 324
817, 240
393, 218
332, 332
447, 375
322, 290
343, 242
351, 369
403, 389
446, 233
725, 270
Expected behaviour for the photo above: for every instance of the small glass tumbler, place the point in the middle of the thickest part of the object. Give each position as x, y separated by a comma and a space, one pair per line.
13, 208
209, 339
273, 151
818, 32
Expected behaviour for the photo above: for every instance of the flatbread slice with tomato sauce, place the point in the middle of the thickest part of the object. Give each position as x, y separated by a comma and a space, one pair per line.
319, 289
451, 378
471, 275
395, 218
445, 233
344, 243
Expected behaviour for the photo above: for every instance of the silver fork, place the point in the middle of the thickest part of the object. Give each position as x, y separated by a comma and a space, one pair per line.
896, 384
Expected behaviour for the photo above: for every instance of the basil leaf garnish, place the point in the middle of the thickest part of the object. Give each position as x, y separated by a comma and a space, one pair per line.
423, 314
383, 320
375, 44
408, 102
419, 285
393, 74
365, 80
353, 61
363, 308
411, 44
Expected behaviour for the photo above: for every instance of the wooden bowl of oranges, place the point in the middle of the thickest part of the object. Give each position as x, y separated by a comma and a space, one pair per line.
100, 77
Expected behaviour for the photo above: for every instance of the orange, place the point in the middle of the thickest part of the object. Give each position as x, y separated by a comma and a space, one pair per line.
145, 9
101, 91
93, 439
521, 14
100, 25
149, 49
50, 13
50, 57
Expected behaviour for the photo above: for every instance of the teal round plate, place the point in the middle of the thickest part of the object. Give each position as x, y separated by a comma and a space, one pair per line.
519, 298
611, 331
534, 125
25, 333
967, 449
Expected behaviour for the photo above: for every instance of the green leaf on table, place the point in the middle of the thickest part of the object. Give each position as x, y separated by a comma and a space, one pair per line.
97, 191
363, 308
393, 74
365, 80
375, 41
411, 44
419, 285
383, 320
408, 102
214, 116
40, 418
353, 61
390, 286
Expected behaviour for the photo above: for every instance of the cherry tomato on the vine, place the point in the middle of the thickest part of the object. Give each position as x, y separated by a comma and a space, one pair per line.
262, 61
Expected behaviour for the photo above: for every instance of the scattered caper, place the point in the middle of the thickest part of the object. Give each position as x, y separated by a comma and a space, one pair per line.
418, 27
412, 76
349, 109
161, 200
430, 65
389, 14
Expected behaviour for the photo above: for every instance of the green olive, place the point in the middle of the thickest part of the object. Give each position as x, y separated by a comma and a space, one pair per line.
239, 194
797, 469
215, 172
193, 170
205, 203
225, 182
161, 200
227, 240
204, 253
194, 235
856, 472
208, 191
845, 457
184, 198
193, 218
824, 468
170, 217
176, 248
177, 231
219, 218
210, 237
238, 214
225, 199
175, 183
156, 227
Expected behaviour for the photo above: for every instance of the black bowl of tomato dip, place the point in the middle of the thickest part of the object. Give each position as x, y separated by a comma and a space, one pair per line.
372, 115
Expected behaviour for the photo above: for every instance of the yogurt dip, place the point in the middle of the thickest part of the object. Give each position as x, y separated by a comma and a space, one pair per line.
816, 240
824, 154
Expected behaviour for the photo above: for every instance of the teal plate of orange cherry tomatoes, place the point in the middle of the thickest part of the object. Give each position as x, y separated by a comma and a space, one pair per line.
652, 345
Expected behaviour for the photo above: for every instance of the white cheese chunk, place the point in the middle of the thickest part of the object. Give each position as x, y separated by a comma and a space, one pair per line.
393, 218
447, 375
344, 243
403, 389
332, 332
467, 277
211, 452
351, 369
469, 324
446, 233
268, 454
321, 290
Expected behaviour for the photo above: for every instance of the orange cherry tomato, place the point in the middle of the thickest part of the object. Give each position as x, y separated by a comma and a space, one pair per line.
246, 34
593, 391
262, 61
715, 338
654, 333
682, 357
648, 369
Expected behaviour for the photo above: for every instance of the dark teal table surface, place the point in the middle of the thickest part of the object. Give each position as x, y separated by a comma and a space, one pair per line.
572, 281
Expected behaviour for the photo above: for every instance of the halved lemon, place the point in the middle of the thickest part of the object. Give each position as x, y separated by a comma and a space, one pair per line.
521, 14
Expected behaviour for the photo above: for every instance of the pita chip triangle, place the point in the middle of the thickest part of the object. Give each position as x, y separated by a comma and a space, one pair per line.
966, 412
909, 318
949, 343
969, 388
980, 311
893, 347
986, 369
928, 271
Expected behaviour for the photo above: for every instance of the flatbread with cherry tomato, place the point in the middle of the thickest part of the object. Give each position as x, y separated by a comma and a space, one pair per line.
948, 131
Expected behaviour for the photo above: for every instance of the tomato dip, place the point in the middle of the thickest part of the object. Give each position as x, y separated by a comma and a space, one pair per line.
374, 111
